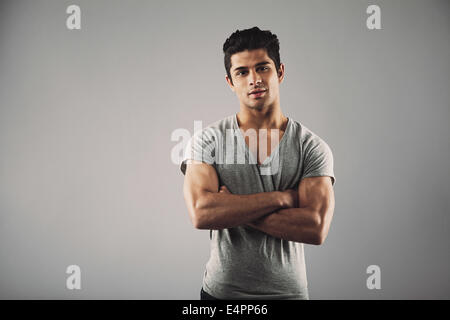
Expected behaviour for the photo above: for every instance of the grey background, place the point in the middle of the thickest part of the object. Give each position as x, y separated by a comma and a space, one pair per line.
86, 118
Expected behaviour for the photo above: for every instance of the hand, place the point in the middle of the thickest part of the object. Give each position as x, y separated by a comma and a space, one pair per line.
290, 198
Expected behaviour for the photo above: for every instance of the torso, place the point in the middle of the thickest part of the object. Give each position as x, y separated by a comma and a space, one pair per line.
268, 141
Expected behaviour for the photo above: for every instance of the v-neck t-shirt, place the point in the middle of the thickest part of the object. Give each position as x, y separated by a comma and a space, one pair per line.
246, 263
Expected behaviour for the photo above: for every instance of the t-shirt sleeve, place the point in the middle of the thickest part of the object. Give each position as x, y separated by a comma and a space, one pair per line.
200, 147
318, 160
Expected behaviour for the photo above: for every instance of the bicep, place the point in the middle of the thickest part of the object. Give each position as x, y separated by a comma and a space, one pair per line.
200, 178
316, 193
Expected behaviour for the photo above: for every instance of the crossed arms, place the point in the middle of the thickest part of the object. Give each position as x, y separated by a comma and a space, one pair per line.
302, 215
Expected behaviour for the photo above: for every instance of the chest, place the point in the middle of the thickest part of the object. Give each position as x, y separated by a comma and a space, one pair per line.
262, 143
280, 170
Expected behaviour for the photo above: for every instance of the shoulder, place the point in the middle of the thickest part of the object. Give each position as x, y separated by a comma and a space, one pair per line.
201, 146
216, 129
210, 137
308, 139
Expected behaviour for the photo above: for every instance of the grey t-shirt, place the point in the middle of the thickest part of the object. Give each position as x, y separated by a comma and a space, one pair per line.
246, 263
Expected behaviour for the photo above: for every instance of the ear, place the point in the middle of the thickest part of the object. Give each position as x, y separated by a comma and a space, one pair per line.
229, 83
281, 73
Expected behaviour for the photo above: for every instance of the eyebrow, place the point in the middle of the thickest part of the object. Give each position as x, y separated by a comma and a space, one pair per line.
257, 65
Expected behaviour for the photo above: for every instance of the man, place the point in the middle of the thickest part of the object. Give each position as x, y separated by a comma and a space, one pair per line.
262, 211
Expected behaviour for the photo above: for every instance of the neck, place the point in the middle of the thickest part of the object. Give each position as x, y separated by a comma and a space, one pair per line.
267, 118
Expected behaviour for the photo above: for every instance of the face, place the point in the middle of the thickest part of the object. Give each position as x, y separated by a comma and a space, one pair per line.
255, 79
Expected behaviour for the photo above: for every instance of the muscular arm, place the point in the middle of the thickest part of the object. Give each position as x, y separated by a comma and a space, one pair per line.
210, 209
311, 221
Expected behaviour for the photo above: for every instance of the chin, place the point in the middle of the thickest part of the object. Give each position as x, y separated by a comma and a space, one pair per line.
258, 107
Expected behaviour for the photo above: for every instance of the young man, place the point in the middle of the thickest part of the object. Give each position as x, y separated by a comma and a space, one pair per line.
260, 211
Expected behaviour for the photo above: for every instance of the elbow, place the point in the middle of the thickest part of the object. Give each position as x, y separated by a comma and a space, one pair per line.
198, 207
316, 234
319, 238
321, 232
198, 218
199, 223
315, 238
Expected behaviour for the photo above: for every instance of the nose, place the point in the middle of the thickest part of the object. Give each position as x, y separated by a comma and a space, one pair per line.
254, 78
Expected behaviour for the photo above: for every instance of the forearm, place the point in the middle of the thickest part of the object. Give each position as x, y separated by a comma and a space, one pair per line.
293, 224
225, 210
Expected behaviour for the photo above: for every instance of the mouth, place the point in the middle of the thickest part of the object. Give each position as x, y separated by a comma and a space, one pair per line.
257, 93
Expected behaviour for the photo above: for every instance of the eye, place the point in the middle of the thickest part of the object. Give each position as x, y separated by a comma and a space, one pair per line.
264, 68
241, 73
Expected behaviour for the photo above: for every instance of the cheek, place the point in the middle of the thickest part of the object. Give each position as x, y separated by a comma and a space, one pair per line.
242, 93
274, 85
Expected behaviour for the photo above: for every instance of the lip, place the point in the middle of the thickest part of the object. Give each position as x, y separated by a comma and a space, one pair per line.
257, 92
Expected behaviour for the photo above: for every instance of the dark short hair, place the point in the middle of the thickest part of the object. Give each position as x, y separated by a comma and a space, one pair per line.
250, 39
